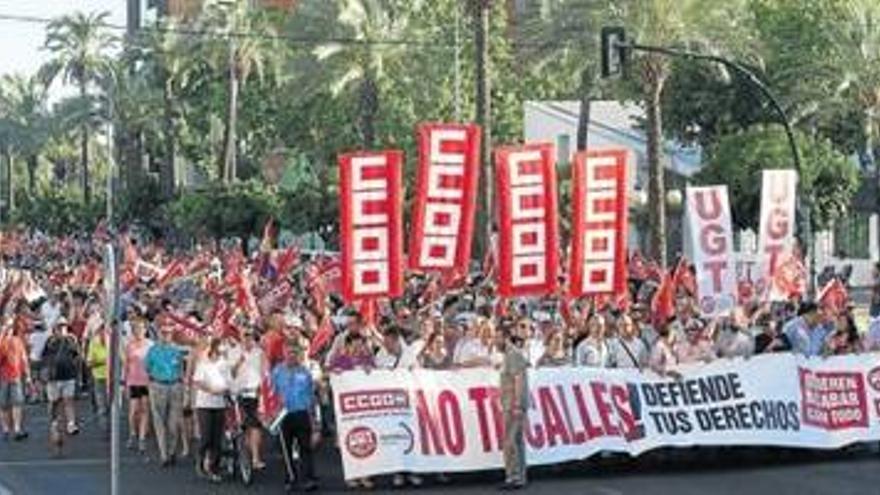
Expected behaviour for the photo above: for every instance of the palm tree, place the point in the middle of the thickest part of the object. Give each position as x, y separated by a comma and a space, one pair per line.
372, 28
563, 36
250, 48
79, 44
26, 121
167, 63
671, 23
480, 11
856, 35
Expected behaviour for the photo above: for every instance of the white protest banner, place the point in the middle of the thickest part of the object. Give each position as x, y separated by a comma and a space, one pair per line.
711, 237
776, 235
451, 421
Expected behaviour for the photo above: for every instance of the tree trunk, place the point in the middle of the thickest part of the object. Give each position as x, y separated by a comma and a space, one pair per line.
229, 171
586, 91
369, 103
10, 193
32, 163
656, 185
84, 152
166, 175
484, 113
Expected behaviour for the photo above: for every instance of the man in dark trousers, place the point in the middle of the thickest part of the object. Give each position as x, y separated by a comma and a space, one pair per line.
514, 403
293, 383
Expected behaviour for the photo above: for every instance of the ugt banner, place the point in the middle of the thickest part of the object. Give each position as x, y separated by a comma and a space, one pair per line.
778, 190
451, 421
711, 237
525, 178
598, 261
370, 222
446, 194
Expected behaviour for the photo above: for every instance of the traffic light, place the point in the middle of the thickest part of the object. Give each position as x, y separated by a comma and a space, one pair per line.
614, 52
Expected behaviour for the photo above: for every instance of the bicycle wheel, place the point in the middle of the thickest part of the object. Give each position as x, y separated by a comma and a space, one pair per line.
245, 467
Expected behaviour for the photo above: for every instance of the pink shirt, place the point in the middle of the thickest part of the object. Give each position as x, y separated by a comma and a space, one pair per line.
135, 371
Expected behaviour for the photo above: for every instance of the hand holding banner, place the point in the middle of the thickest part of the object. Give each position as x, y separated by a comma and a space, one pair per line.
708, 215
371, 224
598, 261
528, 241
446, 192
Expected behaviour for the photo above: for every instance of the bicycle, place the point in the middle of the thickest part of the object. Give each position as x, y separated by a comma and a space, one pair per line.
235, 456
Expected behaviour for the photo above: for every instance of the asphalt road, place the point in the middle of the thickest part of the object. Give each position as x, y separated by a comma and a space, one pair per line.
28, 468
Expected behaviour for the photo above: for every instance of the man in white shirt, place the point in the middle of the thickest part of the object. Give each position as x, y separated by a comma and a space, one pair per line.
627, 349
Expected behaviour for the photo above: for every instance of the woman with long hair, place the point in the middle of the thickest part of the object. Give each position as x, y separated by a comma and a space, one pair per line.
137, 381
593, 351
212, 380
556, 352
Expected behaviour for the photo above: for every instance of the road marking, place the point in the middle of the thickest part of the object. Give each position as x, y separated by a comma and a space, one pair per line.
54, 462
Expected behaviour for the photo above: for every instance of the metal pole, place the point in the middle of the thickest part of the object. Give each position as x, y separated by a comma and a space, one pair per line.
457, 62
112, 289
804, 205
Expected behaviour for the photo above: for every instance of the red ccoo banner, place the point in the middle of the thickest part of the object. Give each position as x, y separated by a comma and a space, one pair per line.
528, 238
370, 224
598, 263
446, 192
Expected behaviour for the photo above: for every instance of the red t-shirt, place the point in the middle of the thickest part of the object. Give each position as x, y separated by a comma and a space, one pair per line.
273, 346
13, 359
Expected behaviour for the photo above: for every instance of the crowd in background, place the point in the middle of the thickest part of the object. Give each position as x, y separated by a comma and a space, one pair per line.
193, 340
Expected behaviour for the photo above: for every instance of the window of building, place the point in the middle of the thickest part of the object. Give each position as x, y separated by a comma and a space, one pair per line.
851, 236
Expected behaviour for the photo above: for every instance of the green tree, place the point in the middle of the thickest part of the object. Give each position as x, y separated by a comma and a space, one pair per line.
79, 44
673, 23
26, 124
370, 34
250, 48
827, 176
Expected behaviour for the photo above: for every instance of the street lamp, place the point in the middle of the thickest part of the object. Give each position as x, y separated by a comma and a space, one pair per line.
615, 56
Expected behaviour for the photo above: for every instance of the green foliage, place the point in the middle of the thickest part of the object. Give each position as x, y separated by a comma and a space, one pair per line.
219, 210
828, 177
58, 212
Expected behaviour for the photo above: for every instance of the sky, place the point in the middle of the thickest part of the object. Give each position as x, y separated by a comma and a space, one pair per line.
22, 42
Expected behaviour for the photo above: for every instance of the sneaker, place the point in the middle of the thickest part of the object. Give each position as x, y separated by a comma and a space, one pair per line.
368, 484
132, 443
398, 481
310, 486
20, 436
443, 479
72, 429
415, 480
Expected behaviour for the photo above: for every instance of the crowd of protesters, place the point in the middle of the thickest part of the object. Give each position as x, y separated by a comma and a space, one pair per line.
210, 324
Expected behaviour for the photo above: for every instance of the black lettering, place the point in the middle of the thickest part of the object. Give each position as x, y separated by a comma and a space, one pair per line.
757, 415
693, 392
684, 421
735, 386
794, 416
650, 394
730, 419
703, 420
745, 419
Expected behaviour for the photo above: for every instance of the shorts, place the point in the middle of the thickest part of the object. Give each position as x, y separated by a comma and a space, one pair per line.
250, 418
138, 391
11, 394
60, 389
